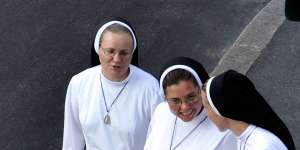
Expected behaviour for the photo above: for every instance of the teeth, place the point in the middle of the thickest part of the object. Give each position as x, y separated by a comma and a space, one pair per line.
187, 113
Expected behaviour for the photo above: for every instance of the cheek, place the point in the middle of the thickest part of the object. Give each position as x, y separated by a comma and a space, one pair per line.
102, 59
198, 105
214, 117
173, 108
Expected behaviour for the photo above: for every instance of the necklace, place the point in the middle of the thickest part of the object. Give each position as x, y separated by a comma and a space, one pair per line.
186, 136
247, 139
107, 119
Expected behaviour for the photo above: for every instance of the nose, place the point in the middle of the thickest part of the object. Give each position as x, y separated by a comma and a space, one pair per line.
117, 57
184, 107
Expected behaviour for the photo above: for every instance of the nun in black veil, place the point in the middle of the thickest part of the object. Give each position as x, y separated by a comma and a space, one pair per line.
234, 103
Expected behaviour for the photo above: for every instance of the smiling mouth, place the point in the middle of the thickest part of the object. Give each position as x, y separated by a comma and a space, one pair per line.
186, 113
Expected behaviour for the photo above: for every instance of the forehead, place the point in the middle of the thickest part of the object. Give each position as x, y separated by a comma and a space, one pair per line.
106, 34
116, 40
121, 31
182, 89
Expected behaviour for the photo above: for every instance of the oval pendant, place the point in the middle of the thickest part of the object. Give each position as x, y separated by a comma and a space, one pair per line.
107, 119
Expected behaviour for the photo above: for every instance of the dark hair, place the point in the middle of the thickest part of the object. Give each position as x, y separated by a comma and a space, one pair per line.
177, 75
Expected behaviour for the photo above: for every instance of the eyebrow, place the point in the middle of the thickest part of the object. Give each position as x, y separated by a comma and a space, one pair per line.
192, 94
122, 50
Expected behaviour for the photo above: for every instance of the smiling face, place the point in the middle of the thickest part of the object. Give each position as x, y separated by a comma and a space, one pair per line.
184, 99
115, 54
219, 121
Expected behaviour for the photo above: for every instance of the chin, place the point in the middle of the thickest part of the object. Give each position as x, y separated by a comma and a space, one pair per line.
221, 129
187, 118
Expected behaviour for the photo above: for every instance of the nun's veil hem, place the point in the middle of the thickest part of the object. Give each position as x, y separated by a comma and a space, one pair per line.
236, 97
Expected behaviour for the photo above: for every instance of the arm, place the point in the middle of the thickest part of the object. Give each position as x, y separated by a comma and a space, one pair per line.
73, 138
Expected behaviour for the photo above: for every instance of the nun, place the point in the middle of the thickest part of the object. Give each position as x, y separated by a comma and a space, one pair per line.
181, 122
109, 106
233, 103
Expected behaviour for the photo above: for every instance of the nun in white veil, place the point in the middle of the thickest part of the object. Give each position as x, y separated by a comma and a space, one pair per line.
181, 123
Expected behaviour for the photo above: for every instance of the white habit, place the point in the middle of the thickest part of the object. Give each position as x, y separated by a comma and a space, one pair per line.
130, 114
205, 137
256, 138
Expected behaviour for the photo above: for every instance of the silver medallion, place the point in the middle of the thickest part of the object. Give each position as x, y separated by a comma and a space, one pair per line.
107, 119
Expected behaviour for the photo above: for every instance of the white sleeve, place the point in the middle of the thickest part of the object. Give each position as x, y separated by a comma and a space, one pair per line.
155, 98
73, 138
228, 142
149, 138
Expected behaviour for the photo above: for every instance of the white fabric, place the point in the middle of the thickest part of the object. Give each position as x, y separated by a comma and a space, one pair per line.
184, 67
205, 137
209, 97
102, 28
256, 138
130, 114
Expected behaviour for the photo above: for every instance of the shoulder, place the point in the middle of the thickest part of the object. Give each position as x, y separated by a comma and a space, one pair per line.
85, 76
161, 115
162, 109
90, 72
143, 78
264, 139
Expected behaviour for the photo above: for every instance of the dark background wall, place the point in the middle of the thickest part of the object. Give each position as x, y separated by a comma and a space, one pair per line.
44, 43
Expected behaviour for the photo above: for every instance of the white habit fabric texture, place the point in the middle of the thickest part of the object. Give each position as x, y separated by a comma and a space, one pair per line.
256, 138
205, 137
130, 114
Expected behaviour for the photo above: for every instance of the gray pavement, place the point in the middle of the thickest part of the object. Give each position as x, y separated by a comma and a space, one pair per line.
253, 39
203, 30
276, 74
44, 43
269, 47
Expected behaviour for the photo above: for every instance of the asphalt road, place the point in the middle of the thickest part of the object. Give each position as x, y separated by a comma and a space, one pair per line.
276, 74
44, 43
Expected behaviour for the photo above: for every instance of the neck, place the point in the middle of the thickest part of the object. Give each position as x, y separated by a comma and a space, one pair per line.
116, 79
237, 127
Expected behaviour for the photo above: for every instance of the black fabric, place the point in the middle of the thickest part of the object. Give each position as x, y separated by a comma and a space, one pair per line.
292, 11
235, 97
94, 56
199, 69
